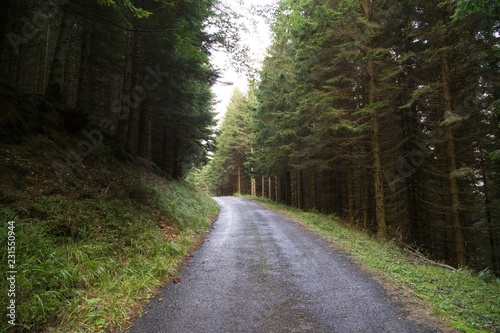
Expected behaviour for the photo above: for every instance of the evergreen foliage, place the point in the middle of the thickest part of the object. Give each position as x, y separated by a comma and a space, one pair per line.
136, 73
385, 113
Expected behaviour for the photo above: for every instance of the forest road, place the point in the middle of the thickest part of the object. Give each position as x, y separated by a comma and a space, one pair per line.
258, 271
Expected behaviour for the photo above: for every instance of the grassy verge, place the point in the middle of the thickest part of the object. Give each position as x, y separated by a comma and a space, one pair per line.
469, 301
85, 263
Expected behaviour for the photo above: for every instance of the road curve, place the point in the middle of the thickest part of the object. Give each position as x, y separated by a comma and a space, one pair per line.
260, 272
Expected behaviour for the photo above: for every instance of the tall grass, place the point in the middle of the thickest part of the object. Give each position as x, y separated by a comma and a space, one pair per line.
85, 265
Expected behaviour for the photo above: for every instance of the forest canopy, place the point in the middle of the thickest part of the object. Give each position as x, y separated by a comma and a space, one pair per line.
134, 73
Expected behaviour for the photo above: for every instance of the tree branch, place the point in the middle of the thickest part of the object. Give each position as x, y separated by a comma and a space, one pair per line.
123, 27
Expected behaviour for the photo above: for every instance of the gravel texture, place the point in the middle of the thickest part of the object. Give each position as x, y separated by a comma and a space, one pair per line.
260, 272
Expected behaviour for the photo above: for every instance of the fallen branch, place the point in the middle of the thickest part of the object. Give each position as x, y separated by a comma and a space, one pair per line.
415, 252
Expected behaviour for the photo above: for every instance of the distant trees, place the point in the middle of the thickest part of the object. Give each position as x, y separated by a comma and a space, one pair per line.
386, 113
227, 170
137, 70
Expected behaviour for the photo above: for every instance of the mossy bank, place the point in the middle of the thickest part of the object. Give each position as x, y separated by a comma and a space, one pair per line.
93, 245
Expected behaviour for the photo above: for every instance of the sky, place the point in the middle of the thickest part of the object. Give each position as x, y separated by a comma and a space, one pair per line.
257, 37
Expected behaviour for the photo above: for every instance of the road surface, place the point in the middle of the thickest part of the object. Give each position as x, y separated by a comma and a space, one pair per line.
260, 272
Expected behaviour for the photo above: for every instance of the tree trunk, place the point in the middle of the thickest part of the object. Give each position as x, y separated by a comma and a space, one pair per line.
126, 98
253, 185
301, 189
56, 77
456, 223
145, 132
377, 180
176, 172
45, 69
489, 221
276, 189
4, 15
314, 203
83, 100
375, 144
288, 189
350, 195
263, 189
239, 180
377, 164
134, 121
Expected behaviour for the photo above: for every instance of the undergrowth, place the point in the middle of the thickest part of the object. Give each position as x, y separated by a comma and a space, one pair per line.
469, 301
87, 263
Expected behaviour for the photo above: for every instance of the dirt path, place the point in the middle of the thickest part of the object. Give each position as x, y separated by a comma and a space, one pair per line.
258, 272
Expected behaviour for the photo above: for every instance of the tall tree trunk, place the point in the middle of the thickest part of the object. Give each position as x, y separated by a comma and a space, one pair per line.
288, 189
489, 221
239, 180
350, 196
375, 144
269, 188
4, 15
145, 131
176, 172
56, 78
263, 189
366, 206
139, 95
456, 223
276, 189
253, 185
133, 127
83, 100
314, 203
126, 98
45, 69
377, 180
300, 191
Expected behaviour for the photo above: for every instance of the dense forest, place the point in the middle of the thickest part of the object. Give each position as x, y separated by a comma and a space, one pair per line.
385, 113
104, 106
136, 73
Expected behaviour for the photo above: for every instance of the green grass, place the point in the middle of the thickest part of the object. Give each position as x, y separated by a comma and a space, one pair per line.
85, 265
469, 301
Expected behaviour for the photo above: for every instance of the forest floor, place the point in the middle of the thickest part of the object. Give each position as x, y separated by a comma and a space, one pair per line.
93, 235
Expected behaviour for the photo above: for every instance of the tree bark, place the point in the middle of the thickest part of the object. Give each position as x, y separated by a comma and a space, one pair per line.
276, 189
133, 129
375, 144
314, 203
456, 223
4, 15
83, 100
145, 132
239, 180
176, 172
56, 77
489, 221
126, 98
377, 180
350, 195
300, 190
263, 189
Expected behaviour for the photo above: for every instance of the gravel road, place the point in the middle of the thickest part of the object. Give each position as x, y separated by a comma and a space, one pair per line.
260, 272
